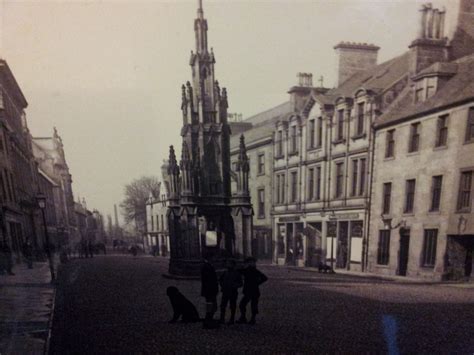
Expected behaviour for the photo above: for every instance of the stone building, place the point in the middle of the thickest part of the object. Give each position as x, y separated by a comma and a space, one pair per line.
258, 133
422, 223
48, 187
157, 225
204, 217
156, 215
50, 157
18, 172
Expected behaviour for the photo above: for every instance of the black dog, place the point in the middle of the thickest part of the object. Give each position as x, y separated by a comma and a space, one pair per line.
325, 268
182, 307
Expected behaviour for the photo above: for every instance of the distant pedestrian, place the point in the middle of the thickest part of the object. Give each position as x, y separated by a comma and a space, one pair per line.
90, 249
7, 258
134, 250
230, 281
253, 278
209, 290
27, 251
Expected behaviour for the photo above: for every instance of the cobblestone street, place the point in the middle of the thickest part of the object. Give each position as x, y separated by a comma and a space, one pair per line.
118, 304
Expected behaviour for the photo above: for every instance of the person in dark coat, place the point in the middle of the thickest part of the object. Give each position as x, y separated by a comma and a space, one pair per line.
253, 278
27, 251
182, 307
7, 258
230, 281
209, 290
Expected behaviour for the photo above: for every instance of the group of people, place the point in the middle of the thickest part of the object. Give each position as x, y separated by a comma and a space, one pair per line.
249, 278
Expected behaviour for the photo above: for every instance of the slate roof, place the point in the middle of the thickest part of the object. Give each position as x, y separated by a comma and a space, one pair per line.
263, 124
458, 89
376, 79
263, 117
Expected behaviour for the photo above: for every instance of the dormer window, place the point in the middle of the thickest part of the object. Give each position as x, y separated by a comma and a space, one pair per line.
420, 92
294, 140
360, 118
340, 125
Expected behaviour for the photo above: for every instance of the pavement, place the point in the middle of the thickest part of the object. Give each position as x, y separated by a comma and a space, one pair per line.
396, 278
117, 304
26, 303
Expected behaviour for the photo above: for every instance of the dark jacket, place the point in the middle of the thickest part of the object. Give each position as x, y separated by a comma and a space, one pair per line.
209, 286
230, 281
253, 278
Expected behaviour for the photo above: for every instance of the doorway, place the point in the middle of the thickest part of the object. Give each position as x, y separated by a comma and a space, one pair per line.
403, 253
342, 245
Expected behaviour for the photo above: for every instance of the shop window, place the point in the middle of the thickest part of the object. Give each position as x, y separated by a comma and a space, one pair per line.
429, 247
383, 251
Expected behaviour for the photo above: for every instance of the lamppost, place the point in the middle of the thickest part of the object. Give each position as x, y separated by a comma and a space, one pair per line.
387, 222
41, 199
333, 227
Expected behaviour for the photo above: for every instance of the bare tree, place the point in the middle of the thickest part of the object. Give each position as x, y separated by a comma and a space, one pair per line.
134, 204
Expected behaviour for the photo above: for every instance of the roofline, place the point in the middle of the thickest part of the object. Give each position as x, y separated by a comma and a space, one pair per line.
16, 87
43, 173
424, 113
270, 109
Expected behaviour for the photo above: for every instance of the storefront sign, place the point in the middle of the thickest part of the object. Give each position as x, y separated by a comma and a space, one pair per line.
289, 219
344, 216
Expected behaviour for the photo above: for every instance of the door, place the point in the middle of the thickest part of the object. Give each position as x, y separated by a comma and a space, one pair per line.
290, 245
342, 248
403, 253
468, 263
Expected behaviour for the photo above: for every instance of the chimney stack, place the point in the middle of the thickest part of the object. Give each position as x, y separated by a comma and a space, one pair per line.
354, 58
431, 45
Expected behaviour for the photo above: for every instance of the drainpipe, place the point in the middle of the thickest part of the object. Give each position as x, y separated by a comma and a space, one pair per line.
368, 197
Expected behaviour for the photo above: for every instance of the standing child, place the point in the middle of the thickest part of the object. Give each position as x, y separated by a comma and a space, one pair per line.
253, 278
209, 290
230, 281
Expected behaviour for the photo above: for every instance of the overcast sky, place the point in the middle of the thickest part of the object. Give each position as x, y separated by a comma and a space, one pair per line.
107, 74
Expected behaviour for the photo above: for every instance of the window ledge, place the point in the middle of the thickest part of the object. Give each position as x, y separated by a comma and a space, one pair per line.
312, 149
281, 156
441, 147
416, 152
293, 154
389, 158
382, 266
436, 212
359, 136
338, 141
260, 217
464, 210
261, 174
470, 141
408, 214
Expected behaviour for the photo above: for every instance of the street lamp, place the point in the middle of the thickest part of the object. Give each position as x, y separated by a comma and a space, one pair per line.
41, 199
333, 226
387, 222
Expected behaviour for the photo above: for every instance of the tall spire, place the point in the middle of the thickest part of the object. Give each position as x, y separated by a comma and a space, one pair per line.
200, 10
200, 27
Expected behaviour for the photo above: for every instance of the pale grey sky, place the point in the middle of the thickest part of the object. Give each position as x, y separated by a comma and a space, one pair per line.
107, 74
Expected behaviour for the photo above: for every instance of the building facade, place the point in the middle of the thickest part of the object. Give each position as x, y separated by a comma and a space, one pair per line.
259, 142
18, 172
157, 225
50, 157
422, 220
